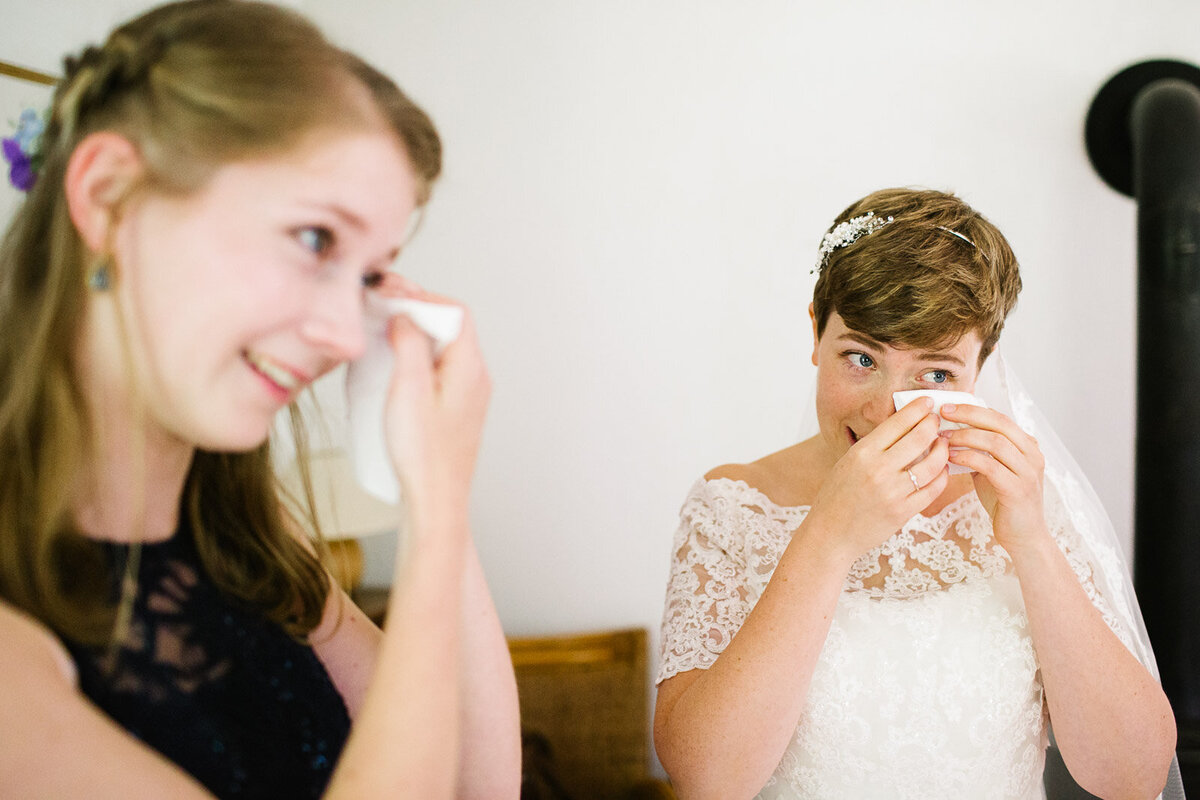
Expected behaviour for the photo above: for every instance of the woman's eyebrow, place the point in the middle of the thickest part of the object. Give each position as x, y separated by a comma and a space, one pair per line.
344, 214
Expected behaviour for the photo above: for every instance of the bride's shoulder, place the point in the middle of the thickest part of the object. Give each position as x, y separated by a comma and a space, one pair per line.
787, 477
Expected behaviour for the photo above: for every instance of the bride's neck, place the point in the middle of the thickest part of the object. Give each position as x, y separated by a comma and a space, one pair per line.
958, 486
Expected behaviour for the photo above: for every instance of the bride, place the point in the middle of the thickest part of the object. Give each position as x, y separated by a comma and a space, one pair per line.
891, 610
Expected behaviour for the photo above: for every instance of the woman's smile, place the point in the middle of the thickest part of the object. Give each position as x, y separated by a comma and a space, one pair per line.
284, 380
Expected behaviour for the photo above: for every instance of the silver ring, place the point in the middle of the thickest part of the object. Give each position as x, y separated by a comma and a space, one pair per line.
913, 478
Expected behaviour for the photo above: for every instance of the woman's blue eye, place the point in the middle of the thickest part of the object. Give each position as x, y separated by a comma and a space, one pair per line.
937, 376
315, 239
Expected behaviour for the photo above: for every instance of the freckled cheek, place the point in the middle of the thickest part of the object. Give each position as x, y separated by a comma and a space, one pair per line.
836, 401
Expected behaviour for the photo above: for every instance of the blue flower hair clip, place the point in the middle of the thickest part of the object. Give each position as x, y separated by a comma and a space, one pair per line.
23, 150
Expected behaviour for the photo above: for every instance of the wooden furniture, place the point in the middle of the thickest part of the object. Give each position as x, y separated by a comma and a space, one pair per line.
585, 716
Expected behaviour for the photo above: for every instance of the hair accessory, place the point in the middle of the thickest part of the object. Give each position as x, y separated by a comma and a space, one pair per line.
23, 150
964, 238
847, 233
955, 233
100, 278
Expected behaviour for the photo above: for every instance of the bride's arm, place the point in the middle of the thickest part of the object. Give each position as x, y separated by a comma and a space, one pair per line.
720, 732
1112, 721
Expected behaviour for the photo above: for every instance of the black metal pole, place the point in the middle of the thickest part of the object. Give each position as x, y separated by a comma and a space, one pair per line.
1143, 137
1165, 126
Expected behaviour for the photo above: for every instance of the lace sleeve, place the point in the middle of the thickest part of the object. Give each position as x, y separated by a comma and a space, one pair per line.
707, 600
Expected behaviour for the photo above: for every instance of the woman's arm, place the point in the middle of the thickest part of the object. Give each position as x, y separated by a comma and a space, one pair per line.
55, 743
721, 732
407, 739
1112, 721
490, 767
348, 644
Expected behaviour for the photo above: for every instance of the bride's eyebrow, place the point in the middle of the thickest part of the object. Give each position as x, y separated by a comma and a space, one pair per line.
865, 341
953, 359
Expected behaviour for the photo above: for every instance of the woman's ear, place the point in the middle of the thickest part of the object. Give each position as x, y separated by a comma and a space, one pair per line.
100, 173
813, 316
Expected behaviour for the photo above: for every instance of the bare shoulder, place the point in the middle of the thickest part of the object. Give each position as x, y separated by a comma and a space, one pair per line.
788, 477
735, 472
66, 747
27, 644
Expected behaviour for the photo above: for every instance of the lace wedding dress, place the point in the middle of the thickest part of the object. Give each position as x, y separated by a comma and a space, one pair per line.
928, 684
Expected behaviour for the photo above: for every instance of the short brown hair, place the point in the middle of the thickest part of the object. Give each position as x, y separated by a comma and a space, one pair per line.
917, 281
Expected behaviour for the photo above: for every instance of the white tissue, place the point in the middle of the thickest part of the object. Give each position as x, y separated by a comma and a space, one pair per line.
368, 379
940, 397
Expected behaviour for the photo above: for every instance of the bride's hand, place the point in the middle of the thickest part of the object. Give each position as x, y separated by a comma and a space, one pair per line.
1009, 469
883, 480
435, 409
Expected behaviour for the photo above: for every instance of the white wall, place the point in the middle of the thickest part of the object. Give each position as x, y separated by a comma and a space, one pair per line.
633, 196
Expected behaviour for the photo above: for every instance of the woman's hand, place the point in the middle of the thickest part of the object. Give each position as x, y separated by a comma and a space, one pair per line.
436, 406
884, 479
1009, 470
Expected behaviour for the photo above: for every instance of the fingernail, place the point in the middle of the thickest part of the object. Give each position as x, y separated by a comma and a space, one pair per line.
950, 407
928, 401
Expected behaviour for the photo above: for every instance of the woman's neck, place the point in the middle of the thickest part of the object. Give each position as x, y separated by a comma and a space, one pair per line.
133, 479
132, 489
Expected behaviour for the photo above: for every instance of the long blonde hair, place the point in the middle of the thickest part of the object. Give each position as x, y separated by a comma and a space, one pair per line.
193, 85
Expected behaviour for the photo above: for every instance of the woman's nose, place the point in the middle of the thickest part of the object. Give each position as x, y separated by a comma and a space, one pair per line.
336, 322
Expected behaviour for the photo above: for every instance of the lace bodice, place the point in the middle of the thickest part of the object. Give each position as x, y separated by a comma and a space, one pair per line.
927, 686
216, 688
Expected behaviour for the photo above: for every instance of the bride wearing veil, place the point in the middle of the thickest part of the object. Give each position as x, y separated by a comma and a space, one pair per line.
911, 602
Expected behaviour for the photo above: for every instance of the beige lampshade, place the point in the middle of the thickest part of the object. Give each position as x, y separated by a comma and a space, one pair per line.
344, 509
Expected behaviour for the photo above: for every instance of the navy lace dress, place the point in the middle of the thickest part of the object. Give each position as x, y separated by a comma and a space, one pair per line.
225, 694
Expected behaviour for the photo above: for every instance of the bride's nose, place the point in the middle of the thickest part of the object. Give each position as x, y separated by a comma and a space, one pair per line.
879, 404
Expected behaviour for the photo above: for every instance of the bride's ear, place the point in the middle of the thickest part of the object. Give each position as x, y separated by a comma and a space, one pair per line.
813, 316
102, 170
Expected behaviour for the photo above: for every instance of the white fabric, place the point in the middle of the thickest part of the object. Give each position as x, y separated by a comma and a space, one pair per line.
927, 685
369, 378
940, 397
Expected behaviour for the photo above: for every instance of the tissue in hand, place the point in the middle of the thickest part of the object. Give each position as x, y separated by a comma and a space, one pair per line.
940, 397
368, 380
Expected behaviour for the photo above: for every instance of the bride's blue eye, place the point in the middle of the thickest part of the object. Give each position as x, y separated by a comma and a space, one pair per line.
937, 376
315, 239
861, 360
